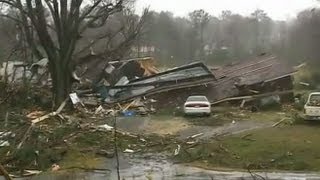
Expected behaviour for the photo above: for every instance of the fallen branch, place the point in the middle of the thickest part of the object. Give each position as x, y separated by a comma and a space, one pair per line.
25, 137
42, 118
5, 173
255, 175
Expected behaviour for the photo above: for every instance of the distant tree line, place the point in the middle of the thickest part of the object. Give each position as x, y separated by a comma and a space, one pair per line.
204, 37
230, 36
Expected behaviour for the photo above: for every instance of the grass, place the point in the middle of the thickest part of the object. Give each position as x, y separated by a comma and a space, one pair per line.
74, 158
223, 115
293, 148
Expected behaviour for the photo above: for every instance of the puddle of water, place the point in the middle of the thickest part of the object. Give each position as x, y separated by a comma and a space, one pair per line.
156, 167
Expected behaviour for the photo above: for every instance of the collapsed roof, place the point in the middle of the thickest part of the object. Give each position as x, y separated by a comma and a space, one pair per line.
259, 70
191, 75
134, 78
96, 69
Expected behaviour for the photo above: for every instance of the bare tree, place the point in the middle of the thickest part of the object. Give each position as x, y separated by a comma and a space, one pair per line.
60, 24
199, 20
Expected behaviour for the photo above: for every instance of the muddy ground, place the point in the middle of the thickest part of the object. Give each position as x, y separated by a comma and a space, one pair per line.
230, 138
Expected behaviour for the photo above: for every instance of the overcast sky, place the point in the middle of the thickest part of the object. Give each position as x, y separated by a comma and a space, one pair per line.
276, 9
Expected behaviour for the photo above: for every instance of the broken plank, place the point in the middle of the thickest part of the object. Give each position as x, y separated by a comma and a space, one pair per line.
242, 103
119, 105
232, 99
195, 136
63, 104
42, 118
254, 91
279, 122
126, 134
129, 105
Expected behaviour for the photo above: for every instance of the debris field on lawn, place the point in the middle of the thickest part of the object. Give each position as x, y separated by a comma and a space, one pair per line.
107, 89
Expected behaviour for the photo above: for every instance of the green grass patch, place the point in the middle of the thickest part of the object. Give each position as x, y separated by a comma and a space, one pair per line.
286, 148
76, 159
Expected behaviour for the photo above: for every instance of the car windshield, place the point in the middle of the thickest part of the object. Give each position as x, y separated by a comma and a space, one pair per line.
315, 97
197, 98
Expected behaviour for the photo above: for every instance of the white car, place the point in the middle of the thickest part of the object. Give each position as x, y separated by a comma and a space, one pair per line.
197, 105
312, 107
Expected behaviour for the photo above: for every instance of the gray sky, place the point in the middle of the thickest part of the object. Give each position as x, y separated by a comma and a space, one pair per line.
276, 9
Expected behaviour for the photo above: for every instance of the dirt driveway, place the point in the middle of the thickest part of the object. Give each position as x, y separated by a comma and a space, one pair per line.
185, 127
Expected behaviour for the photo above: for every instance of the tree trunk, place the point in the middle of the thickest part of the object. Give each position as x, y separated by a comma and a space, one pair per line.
61, 81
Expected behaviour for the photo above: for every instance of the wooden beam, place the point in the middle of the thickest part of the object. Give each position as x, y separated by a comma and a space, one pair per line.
252, 97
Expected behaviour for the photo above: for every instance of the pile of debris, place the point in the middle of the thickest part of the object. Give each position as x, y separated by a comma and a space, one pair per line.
136, 83
38, 140
128, 84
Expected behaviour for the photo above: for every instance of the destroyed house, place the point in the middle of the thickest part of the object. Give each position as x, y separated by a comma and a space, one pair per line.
97, 69
191, 75
264, 74
260, 75
131, 79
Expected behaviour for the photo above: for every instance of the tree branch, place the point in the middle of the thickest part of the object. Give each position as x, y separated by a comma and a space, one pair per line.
86, 13
130, 36
26, 27
102, 14
108, 35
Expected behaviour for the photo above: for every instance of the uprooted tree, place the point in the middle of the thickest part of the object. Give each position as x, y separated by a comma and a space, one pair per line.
59, 25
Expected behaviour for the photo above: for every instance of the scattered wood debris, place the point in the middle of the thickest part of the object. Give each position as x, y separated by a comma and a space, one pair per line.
279, 122
195, 136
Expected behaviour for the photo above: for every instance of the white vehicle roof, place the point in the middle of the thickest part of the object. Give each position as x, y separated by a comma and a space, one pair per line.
198, 98
315, 93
